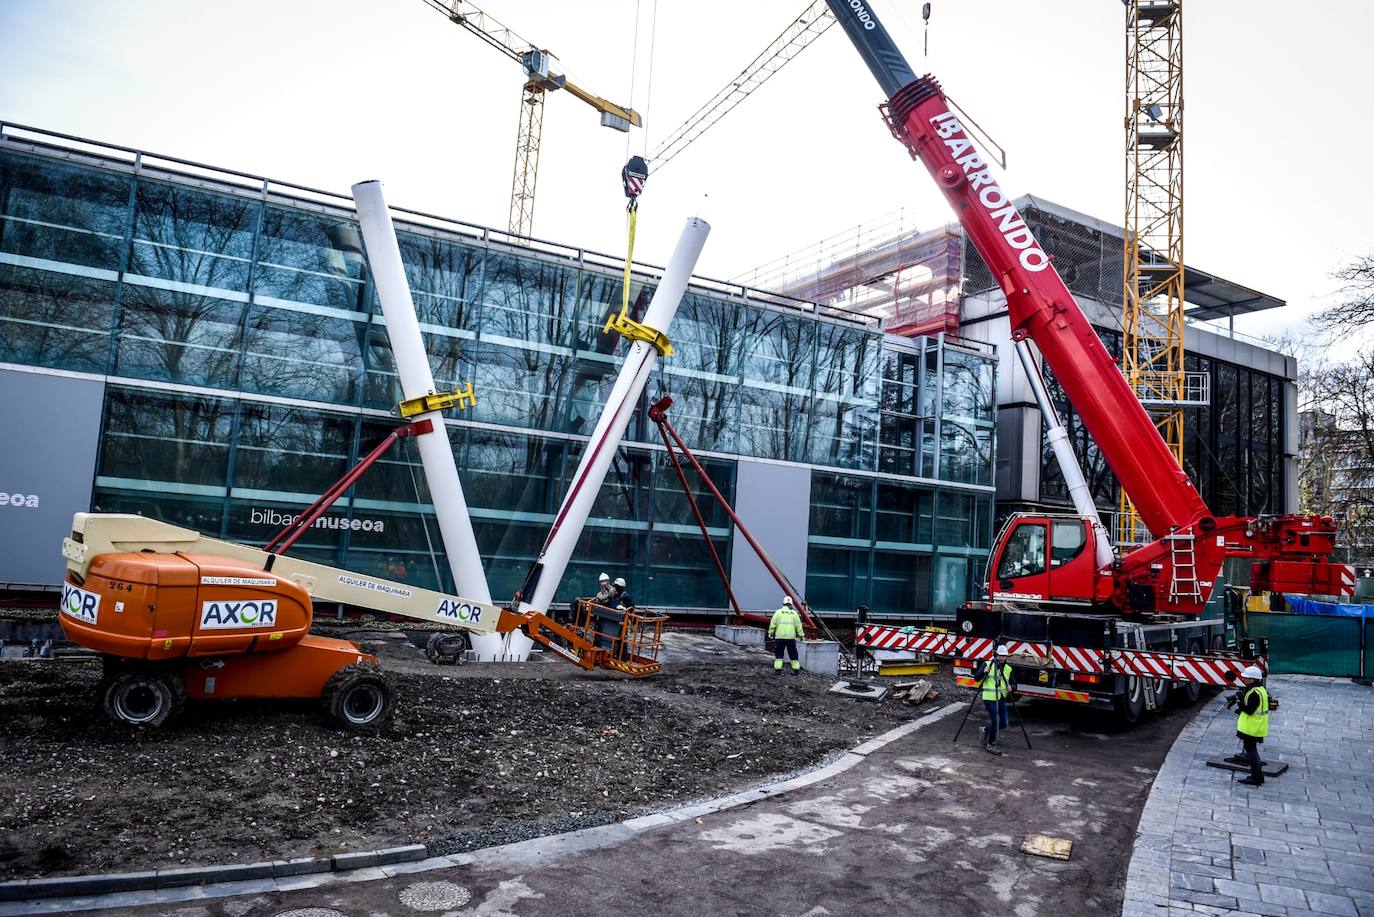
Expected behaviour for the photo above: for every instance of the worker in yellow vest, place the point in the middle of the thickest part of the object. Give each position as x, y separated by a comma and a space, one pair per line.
1252, 723
995, 680
784, 630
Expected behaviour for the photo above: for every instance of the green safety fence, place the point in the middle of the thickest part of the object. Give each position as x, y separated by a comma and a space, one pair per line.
1314, 644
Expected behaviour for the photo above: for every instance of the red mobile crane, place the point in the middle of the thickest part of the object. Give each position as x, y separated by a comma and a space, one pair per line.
1082, 616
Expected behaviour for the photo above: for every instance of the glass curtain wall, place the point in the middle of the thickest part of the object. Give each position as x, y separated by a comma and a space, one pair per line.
250, 365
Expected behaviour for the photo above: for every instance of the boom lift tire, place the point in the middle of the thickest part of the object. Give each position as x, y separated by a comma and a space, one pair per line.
142, 696
1130, 706
447, 649
359, 698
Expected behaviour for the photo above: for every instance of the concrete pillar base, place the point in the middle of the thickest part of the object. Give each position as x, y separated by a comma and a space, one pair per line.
740, 634
819, 656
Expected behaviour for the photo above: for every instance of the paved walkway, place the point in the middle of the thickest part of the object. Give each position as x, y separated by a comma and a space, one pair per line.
1301, 844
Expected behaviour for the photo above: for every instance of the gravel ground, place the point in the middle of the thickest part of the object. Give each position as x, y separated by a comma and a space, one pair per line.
477, 755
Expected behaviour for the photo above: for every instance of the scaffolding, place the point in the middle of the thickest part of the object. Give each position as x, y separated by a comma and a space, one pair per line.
907, 278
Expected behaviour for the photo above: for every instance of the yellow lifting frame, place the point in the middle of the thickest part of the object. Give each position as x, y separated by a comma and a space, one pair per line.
621, 323
463, 397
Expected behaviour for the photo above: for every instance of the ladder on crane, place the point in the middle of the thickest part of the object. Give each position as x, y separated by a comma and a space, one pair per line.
1183, 582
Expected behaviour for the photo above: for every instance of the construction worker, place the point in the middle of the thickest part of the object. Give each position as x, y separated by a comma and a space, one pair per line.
604, 594
995, 680
622, 597
1252, 724
783, 630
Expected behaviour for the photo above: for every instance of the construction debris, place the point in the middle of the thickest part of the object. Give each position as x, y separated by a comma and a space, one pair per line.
1042, 845
863, 690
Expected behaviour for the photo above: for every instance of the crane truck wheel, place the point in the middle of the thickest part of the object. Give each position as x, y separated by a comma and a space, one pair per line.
446, 649
1186, 693
143, 697
359, 698
1160, 687
1130, 705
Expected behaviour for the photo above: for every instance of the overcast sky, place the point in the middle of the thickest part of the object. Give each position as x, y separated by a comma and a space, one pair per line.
329, 92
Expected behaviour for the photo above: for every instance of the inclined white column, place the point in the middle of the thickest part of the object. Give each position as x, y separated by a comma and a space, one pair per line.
1058, 438
615, 417
412, 363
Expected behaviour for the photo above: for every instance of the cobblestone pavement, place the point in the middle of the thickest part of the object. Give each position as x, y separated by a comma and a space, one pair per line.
1301, 844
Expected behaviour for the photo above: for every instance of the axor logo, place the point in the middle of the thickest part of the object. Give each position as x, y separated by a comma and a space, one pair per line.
80, 604
255, 613
459, 611
863, 15
29, 501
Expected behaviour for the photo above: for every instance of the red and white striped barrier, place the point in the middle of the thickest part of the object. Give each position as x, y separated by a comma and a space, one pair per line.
1202, 669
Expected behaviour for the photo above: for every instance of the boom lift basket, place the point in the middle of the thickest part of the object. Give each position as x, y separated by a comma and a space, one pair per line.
631, 639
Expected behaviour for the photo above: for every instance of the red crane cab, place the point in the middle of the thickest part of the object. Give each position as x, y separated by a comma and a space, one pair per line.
1047, 559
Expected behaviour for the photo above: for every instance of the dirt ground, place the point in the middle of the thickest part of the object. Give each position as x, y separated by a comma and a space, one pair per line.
477, 755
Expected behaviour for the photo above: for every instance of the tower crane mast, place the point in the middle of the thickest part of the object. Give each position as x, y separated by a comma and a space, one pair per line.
542, 75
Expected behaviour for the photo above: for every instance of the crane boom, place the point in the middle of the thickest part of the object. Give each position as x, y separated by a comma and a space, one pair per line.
812, 23
1040, 305
1177, 572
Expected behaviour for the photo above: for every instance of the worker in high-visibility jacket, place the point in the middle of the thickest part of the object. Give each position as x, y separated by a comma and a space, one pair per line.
995, 683
784, 630
1252, 722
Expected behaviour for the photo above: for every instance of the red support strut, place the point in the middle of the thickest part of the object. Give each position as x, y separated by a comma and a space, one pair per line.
283, 540
658, 414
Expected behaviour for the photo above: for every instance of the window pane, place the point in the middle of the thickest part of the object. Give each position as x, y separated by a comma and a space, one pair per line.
290, 450
181, 442
1024, 554
179, 336
841, 506
52, 319
189, 237
1069, 539
62, 213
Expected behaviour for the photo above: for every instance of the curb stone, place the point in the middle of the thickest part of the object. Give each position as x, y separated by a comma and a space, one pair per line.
182, 877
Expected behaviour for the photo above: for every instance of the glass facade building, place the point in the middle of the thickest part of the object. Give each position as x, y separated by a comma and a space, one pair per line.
1239, 448
246, 365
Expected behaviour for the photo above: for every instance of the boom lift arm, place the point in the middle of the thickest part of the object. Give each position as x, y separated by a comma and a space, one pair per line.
1175, 573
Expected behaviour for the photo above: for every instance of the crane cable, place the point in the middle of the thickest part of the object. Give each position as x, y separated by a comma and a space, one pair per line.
633, 175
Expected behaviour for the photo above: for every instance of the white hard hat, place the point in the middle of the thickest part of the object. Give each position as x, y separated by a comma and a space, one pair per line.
787, 600
1002, 649
620, 581
604, 578
1252, 671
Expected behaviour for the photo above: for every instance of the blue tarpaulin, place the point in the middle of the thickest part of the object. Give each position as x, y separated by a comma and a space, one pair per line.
1301, 606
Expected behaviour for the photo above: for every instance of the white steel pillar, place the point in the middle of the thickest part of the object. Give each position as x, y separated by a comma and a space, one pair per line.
1058, 438
610, 427
417, 380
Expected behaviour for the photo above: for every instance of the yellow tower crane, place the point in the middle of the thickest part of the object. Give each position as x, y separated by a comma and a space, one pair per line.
541, 76
1152, 289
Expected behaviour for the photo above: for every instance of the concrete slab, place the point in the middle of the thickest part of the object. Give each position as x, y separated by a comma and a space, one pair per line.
862, 690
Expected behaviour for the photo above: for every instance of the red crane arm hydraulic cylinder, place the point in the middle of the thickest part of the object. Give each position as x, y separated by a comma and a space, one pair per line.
1040, 305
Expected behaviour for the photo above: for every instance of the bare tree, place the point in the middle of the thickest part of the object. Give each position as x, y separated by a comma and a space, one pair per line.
1355, 312
1336, 462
